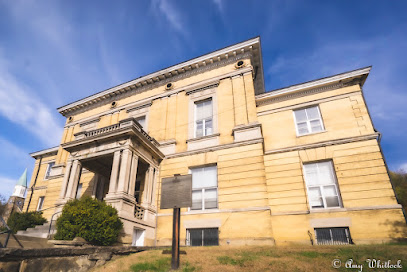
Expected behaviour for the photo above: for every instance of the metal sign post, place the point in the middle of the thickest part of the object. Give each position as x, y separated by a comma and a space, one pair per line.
175, 238
176, 193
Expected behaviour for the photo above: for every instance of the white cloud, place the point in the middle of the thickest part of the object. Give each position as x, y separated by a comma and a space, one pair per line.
20, 106
172, 15
219, 5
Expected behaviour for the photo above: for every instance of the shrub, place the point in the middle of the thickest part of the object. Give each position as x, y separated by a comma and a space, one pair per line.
22, 221
91, 219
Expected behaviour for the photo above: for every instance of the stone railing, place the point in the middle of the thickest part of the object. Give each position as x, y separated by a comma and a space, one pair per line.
139, 212
101, 130
130, 122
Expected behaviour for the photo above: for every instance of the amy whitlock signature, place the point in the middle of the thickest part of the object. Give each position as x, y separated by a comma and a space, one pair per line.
370, 263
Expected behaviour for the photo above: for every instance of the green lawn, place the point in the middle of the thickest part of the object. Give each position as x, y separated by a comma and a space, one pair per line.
261, 258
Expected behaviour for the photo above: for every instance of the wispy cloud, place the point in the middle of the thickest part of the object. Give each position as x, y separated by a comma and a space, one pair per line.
172, 15
219, 5
20, 106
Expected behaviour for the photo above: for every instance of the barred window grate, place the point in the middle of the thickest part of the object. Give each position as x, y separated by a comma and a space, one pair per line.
333, 236
203, 237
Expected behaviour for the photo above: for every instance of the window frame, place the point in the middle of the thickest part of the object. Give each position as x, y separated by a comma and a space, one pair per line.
145, 121
188, 236
308, 122
196, 96
40, 203
202, 190
48, 171
335, 183
203, 120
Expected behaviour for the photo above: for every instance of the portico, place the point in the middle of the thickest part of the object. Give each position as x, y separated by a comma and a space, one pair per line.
125, 162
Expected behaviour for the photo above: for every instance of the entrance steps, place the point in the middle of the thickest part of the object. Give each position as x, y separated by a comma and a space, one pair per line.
40, 231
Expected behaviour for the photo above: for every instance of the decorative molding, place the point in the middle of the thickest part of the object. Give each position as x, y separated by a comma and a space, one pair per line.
325, 143
202, 88
41, 153
290, 96
247, 132
94, 120
308, 103
145, 83
139, 107
149, 100
214, 148
250, 209
340, 210
320, 85
203, 138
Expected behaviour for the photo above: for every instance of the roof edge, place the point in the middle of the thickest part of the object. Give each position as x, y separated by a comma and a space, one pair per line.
162, 72
364, 72
43, 152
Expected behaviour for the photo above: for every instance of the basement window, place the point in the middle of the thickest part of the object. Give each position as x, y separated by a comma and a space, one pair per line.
203, 237
333, 236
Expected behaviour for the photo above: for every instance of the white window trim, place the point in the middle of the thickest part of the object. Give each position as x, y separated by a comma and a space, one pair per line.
46, 177
203, 210
322, 191
196, 97
203, 121
40, 203
308, 121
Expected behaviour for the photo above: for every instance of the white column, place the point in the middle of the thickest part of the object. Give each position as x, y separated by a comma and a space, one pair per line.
65, 180
74, 179
149, 184
124, 176
115, 172
155, 185
133, 175
96, 184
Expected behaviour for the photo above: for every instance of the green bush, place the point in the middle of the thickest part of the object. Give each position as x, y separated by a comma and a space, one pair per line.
22, 221
91, 219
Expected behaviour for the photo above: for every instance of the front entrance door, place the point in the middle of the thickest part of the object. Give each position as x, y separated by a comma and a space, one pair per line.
138, 237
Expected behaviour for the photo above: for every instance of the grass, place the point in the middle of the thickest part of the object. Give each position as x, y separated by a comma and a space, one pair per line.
261, 258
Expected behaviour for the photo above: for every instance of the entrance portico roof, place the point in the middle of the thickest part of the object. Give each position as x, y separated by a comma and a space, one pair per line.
125, 129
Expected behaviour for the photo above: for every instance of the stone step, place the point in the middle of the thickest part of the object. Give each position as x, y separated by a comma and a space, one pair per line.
40, 231
25, 241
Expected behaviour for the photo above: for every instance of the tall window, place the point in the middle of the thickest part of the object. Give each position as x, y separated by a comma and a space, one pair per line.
203, 118
204, 188
40, 203
203, 237
49, 168
321, 185
308, 120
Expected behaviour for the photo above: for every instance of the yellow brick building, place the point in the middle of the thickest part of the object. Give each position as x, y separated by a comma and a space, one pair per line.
301, 164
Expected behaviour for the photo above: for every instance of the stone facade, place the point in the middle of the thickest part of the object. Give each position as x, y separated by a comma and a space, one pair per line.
259, 159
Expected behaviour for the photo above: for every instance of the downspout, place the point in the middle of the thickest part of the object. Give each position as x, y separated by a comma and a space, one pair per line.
35, 181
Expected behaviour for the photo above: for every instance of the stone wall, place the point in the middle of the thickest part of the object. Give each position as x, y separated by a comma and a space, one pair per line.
59, 259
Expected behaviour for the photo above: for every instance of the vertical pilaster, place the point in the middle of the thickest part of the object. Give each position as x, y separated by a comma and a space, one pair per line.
74, 179
124, 175
154, 187
96, 184
65, 180
133, 175
149, 180
115, 172
239, 98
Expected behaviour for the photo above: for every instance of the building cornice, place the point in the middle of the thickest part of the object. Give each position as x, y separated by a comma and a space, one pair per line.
48, 152
250, 48
316, 86
323, 144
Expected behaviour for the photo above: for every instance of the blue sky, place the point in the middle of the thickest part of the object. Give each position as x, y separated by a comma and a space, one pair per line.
55, 52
